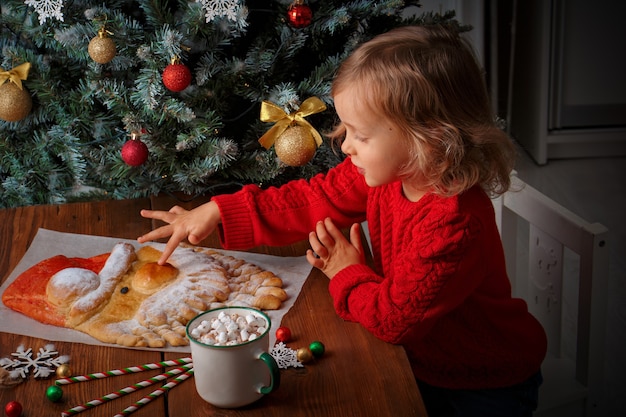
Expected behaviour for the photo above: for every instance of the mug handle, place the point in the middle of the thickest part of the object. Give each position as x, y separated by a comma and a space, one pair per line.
274, 373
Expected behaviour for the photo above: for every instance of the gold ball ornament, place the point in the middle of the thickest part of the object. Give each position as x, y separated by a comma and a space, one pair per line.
304, 355
295, 146
15, 103
102, 48
64, 371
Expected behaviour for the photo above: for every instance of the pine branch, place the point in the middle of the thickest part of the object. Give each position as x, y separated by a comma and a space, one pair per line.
201, 140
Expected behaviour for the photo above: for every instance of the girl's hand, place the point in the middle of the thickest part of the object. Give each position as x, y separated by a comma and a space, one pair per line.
193, 225
331, 251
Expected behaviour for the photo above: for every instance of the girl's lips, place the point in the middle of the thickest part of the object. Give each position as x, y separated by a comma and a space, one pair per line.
360, 170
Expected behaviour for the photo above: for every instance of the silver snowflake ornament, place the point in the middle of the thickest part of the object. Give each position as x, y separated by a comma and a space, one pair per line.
47, 9
231, 9
42, 366
285, 357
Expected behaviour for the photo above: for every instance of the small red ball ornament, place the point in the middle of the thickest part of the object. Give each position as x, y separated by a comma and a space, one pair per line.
176, 76
299, 14
283, 334
134, 152
13, 409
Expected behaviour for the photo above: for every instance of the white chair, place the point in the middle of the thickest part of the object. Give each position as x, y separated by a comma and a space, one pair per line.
558, 263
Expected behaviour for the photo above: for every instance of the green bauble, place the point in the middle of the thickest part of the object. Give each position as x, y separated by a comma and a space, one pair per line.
317, 349
54, 393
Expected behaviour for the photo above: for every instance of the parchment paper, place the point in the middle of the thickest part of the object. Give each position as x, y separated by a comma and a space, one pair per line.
292, 270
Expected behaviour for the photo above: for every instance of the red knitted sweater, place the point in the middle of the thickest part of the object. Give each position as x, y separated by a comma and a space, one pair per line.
439, 285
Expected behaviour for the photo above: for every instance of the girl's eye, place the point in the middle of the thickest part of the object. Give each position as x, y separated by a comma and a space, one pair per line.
354, 136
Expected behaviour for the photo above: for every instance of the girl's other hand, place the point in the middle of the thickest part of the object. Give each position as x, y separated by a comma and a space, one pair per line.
331, 251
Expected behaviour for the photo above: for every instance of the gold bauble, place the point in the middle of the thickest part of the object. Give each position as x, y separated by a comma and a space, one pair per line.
64, 371
15, 103
102, 49
304, 355
295, 146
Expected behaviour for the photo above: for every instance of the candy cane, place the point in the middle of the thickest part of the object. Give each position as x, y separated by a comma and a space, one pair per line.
123, 371
155, 394
127, 390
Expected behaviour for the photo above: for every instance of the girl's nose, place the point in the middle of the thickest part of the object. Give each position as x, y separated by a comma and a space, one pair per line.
345, 146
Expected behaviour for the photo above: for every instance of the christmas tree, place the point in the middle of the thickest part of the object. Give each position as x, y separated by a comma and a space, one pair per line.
128, 98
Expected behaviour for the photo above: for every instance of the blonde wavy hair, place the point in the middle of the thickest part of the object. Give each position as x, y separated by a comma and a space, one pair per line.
426, 81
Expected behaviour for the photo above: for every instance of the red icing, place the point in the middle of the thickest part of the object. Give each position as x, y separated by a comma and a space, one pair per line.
27, 294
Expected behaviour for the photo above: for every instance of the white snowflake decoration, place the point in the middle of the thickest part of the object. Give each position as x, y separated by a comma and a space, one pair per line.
42, 366
47, 9
230, 9
285, 357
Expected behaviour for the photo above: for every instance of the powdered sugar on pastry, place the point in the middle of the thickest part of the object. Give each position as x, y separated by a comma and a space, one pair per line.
249, 285
69, 284
201, 281
120, 260
129, 299
161, 299
83, 292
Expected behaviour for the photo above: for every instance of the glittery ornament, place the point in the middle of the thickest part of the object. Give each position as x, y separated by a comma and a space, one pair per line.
176, 76
295, 146
64, 371
299, 14
304, 354
54, 393
13, 409
134, 152
102, 48
15, 103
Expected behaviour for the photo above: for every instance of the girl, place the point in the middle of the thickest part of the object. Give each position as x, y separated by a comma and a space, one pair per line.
424, 155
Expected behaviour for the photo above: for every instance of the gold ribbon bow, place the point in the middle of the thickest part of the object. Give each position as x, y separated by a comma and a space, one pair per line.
16, 75
270, 112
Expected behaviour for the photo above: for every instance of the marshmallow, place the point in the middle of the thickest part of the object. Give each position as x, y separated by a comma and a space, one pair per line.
229, 330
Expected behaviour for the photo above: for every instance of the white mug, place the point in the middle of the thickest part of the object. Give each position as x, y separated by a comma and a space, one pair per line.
236, 375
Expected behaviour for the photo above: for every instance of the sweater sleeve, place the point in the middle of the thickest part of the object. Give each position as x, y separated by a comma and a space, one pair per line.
435, 272
283, 215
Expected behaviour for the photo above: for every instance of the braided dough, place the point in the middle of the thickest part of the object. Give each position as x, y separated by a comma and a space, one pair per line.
127, 298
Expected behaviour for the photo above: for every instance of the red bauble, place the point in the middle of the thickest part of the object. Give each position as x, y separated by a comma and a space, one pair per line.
134, 152
283, 334
299, 14
13, 409
176, 77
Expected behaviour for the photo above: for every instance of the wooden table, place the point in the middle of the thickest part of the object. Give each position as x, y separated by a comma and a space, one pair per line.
358, 376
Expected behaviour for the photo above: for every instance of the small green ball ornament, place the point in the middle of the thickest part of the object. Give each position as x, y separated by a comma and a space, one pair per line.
54, 393
317, 349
